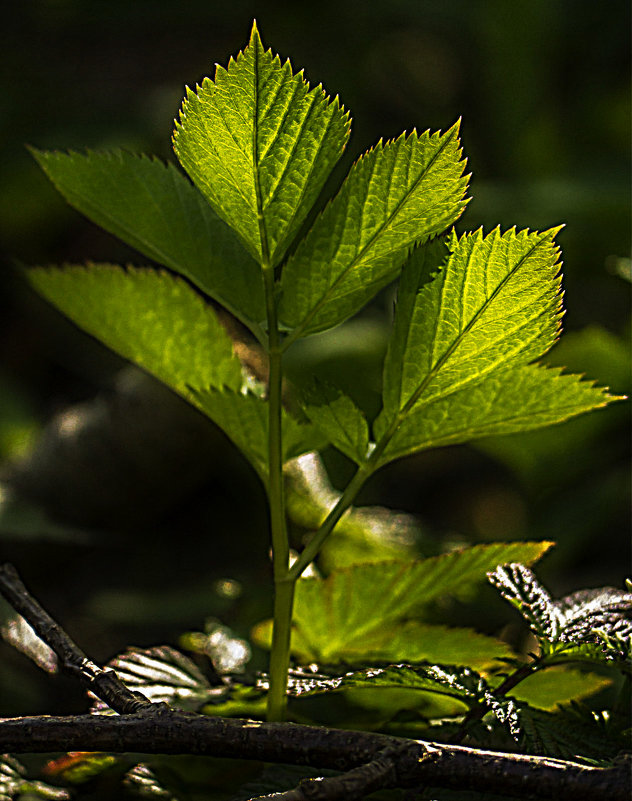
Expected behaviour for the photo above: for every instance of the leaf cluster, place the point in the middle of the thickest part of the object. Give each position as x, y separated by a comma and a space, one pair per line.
258, 143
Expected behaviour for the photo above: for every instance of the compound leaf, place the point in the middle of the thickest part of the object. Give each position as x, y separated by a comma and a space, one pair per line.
155, 209
259, 144
149, 317
506, 401
339, 419
397, 195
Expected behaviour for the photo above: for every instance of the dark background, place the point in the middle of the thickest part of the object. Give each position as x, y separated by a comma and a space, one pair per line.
126, 547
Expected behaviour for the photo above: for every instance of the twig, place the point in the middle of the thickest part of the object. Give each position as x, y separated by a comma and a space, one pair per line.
102, 683
353, 785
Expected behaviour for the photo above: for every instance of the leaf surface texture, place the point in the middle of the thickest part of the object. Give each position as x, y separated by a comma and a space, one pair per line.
259, 144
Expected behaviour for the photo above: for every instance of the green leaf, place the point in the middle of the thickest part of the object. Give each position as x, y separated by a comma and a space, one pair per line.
576, 734
339, 419
244, 417
341, 613
149, 317
409, 641
517, 399
397, 195
155, 209
496, 303
546, 689
259, 144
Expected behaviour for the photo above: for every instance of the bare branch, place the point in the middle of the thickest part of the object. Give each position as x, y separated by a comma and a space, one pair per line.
417, 762
102, 683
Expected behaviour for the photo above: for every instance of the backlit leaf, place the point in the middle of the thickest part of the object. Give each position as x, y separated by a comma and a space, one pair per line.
506, 401
155, 209
259, 144
546, 689
495, 303
340, 614
149, 317
395, 196
244, 417
408, 641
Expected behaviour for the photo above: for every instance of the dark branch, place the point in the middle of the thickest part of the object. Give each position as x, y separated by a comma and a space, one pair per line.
103, 683
415, 762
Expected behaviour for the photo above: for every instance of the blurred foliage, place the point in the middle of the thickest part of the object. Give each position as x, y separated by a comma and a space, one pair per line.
544, 97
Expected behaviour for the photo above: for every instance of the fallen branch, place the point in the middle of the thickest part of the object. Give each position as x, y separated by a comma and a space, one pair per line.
416, 761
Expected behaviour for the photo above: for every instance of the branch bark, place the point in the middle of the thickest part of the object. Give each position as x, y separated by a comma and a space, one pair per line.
413, 762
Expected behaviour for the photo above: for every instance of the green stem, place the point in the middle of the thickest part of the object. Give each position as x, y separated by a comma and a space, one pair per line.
280, 654
283, 588
309, 553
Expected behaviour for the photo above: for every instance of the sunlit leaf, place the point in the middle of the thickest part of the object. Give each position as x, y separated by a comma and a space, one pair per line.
244, 417
149, 317
397, 195
339, 419
546, 689
408, 641
336, 616
506, 401
155, 209
259, 144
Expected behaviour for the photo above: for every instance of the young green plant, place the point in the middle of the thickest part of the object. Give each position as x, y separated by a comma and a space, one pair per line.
473, 312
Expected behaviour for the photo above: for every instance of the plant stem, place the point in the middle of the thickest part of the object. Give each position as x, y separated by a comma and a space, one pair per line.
478, 712
283, 588
311, 550
280, 654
